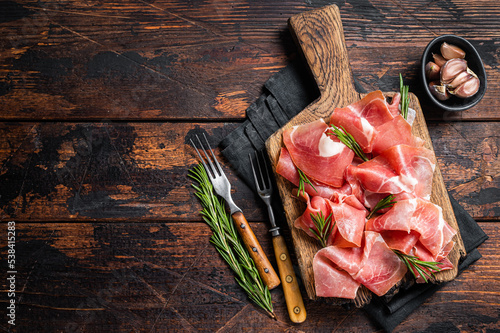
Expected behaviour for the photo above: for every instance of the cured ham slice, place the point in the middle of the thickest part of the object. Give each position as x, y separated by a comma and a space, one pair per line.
287, 169
395, 132
394, 106
348, 219
332, 282
383, 269
362, 118
401, 240
398, 169
395, 110
374, 265
375, 124
421, 217
443, 262
320, 156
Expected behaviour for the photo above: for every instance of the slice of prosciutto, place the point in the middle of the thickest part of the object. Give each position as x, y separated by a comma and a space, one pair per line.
287, 169
394, 108
348, 219
401, 168
338, 272
320, 156
422, 221
395, 132
361, 119
375, 124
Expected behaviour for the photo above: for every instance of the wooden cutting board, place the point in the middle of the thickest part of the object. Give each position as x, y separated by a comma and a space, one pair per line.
320, 35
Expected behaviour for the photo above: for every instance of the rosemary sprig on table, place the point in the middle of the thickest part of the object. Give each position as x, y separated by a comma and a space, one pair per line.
227, 242
323, 225
303, 180
349, 141
424, 268
403, 90
386, 202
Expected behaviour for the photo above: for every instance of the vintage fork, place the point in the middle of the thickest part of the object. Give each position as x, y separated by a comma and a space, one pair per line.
223, 188
294, 301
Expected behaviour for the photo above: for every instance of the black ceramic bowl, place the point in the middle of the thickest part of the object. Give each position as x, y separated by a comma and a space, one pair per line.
473, 62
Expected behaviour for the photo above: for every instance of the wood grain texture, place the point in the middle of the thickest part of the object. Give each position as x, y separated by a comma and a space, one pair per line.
320, 35
169, 60
131, 276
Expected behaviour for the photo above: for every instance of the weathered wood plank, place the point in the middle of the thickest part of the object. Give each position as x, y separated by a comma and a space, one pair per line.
104, 171
468, 155
95, 276
138, 171
204, 60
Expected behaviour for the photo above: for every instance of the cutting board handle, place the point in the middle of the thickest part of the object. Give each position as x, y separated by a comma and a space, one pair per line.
320, 35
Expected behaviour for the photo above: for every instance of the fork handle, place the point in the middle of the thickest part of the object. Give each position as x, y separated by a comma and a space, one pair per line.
293, 298
266, 270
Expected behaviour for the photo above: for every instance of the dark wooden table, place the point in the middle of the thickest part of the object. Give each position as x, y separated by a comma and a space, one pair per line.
96, 101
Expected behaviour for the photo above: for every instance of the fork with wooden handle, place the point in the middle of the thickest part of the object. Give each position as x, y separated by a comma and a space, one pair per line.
293, 298
223, 188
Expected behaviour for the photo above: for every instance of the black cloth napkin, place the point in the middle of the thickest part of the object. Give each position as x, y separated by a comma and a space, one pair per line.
285, 94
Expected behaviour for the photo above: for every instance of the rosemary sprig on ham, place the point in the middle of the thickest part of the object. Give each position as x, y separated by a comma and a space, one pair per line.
386, 202
403, 90
303, 180
324, 227
348, 140
228, 243
424, 269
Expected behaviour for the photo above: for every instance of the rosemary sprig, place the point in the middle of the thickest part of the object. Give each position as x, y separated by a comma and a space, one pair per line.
386, 202
425, 269
403, 90
349, 141
303, 180
227, 242
323, 225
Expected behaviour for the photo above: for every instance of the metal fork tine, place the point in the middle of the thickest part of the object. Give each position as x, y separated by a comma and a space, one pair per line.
219, 168
253, 171
201, 158
210, 171
266, 168
260, 171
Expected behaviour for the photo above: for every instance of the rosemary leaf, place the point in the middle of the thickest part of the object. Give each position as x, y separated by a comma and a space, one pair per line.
303, 180
425, 269
323, 227
227, 241
403, 90
349, 141
386, 202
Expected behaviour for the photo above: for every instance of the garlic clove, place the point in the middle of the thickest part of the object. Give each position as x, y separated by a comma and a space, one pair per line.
459, 80
468, 88
438, 59
432, 71
471, 72
451, 69
450, 51
439, 91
